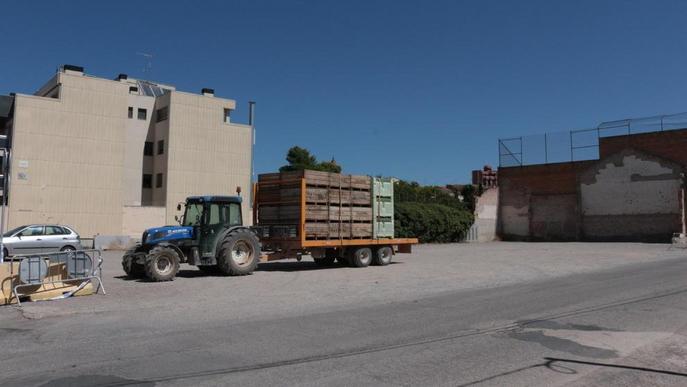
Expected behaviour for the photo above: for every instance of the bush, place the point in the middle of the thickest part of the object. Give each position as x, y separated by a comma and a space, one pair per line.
405, 192
431, 222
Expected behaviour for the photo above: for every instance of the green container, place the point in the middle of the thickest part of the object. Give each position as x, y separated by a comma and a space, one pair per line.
382, 207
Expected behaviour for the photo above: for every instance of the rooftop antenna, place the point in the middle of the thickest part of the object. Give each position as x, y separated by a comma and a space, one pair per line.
148, 68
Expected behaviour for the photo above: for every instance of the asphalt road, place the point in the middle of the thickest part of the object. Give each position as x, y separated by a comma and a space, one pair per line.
623, 324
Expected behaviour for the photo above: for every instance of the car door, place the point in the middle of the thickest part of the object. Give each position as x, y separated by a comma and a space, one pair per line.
54, 239
30, 240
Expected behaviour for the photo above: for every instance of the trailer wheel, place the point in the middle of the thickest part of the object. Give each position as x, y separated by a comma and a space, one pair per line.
238, 253
382, 256
162, 264
360, 257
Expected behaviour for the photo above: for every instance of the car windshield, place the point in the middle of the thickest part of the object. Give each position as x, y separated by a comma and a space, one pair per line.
194, 211
13, 231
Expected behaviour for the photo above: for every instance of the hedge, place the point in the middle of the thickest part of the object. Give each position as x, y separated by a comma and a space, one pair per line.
431, 222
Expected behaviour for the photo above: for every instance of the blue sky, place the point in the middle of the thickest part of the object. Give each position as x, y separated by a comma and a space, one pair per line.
419, 90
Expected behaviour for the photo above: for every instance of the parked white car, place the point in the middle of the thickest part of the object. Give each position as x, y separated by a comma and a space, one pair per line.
40, 238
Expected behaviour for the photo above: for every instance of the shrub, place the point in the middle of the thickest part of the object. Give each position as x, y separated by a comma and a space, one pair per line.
431, 222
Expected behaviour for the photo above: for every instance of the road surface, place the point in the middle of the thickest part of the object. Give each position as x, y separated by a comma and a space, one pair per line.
620, 325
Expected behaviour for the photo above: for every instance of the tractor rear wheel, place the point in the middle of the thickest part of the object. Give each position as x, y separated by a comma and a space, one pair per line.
238, 253
162, 264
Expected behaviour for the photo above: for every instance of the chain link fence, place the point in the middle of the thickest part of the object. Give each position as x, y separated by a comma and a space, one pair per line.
581, 144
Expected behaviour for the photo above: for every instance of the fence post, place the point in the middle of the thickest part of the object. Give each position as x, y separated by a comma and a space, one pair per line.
572, 157
546, 148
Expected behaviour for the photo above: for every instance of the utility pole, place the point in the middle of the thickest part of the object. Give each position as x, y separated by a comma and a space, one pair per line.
4, 158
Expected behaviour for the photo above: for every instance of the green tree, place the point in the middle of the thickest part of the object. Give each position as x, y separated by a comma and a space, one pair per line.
300, 158
432, 214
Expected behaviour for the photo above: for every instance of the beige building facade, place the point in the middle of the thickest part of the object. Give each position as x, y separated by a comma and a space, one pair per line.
113, 157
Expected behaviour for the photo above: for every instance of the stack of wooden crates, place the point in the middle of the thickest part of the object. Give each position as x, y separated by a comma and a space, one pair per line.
334, 206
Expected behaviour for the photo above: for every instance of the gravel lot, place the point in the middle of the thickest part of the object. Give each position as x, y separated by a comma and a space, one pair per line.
291, 288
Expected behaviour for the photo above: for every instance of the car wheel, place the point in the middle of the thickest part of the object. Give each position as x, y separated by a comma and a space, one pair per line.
67, 249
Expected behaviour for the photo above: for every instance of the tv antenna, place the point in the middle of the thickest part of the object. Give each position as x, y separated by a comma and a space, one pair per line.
148, 68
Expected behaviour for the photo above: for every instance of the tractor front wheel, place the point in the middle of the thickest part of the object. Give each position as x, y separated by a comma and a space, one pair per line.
162, 264
132, 268
238, 253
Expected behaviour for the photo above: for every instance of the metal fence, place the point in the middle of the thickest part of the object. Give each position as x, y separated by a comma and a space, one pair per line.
81, 267
581, 144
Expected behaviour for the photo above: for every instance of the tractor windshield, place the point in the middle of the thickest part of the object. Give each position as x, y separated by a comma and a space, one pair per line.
193, 214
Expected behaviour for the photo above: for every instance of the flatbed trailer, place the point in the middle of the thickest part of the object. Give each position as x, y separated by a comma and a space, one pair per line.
291, 237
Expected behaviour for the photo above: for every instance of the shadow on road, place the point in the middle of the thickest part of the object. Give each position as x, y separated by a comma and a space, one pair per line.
552, 363
301, 266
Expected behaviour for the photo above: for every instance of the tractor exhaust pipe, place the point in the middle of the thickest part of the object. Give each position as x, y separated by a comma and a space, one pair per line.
251, 123
251, 113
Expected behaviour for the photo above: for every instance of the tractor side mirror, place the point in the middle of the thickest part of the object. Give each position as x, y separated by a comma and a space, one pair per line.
178, 207
176, 218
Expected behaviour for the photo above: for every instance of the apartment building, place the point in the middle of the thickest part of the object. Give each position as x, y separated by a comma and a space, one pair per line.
115, 156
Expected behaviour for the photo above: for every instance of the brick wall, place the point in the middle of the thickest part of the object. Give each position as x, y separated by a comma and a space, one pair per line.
553, 183
671, 145
519, 184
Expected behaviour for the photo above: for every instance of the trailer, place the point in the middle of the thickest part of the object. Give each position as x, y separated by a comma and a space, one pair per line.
330, 216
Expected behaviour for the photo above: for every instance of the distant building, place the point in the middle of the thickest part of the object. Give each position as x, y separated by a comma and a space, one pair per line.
116, 156
487, 177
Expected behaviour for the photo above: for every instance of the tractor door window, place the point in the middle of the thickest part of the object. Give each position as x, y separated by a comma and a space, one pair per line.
235, 214
214, 215
226, 213
193, 214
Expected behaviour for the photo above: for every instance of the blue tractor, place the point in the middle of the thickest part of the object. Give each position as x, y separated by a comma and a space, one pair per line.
210, 235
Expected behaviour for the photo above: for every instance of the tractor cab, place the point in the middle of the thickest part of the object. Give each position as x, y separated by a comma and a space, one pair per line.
210, 235
209, 216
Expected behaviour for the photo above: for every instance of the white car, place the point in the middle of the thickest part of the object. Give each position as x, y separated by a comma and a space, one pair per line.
40, 238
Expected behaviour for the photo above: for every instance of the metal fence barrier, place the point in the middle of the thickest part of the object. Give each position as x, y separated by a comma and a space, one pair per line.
84, 266
581, 144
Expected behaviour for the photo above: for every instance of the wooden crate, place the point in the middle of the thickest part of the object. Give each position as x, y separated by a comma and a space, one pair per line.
338, 230
314, 212
336, 206
318, 178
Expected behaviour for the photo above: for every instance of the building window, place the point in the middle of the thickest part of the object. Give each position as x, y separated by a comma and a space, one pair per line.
133, 90
161, 147
162, 114
147, 180
131, 112
142, 114
227, 116
148, 148
158, 180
